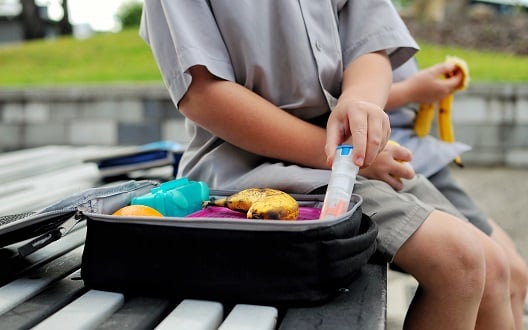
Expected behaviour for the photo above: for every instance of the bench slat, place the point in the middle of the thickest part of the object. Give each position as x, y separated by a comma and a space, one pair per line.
347, 310
86, 312
36, 192
37, 280
23, 163
38, 308
251, 317
138, 313
194, 314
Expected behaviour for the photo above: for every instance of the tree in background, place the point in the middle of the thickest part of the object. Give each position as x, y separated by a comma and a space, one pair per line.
431, 10
36, 22
130, 14
65, 27
32, 21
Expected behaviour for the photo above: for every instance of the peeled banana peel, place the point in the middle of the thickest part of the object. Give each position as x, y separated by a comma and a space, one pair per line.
424, 119
425, 115
445, 124
261, 203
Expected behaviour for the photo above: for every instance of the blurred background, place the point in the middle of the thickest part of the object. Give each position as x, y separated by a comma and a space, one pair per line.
76, 72
43, 19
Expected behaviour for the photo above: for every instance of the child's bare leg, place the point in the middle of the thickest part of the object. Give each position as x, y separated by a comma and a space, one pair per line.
518, 273
459, 270
495, 310
450, 268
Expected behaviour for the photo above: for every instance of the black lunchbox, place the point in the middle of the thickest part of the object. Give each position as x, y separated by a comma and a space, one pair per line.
269, 262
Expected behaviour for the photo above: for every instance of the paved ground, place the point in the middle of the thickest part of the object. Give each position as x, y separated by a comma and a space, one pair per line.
503, 193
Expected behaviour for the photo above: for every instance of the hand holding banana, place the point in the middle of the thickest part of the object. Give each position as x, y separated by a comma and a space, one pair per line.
425, 115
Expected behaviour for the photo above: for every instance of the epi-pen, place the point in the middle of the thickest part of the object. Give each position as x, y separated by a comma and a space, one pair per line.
341, 183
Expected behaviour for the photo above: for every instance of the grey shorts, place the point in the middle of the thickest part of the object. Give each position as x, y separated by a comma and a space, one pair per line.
445, 182
399, 214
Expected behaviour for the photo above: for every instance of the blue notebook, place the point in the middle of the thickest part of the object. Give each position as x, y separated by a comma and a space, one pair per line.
155, 154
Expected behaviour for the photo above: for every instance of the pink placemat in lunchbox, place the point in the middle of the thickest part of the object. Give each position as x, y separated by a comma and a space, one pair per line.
305, 213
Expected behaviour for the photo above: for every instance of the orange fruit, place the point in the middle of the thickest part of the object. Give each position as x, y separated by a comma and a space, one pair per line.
138, 210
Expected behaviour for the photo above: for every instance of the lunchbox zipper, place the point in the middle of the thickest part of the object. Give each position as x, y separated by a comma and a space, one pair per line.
72, 215
226, 223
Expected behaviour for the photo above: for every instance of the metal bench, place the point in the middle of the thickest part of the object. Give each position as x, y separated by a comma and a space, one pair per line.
44, 290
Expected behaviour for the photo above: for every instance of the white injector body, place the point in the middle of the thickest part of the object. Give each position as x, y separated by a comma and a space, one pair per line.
341, 184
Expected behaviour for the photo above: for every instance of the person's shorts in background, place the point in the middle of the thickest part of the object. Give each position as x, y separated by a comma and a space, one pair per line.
445, 182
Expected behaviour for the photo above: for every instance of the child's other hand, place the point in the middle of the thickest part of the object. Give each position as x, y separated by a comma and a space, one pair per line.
360, 123
391, 166
430, 85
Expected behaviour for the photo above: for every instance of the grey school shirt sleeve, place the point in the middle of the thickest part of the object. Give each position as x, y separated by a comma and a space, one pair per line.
292, 53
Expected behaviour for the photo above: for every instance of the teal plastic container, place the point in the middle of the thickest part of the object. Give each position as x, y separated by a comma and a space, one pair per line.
176, 198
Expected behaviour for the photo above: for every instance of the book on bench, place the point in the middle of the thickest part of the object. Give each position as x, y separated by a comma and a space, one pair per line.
147, 156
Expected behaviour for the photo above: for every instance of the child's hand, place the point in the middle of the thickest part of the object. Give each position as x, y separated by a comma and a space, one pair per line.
430, 86
360, 123
391, 166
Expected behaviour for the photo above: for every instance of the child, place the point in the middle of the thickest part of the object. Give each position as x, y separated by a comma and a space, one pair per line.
259, 80
432, 156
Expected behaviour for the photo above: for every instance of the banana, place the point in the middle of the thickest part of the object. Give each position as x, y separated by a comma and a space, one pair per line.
424, 119
425, 115
445, 124
261, 203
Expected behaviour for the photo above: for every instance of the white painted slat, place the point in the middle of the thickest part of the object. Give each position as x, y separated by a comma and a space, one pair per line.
19, 164
8, 159
194, 315
251, 317
36, 161
86, 312
36, 192
19, 291
23, 288
34, 178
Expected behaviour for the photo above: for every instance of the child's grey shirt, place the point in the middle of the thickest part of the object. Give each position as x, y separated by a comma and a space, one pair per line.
291, 52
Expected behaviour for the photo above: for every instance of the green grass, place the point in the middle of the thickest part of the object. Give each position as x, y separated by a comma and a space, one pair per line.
125, 58
104, 58
484, 67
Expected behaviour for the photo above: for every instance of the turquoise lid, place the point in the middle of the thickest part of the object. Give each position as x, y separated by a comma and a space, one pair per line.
175, 198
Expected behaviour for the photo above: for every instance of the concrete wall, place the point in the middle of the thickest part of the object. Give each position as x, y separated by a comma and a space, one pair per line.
88, 115
491, 118
11, 31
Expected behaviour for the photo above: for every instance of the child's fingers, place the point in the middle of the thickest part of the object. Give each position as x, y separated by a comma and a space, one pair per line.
359, 140
403, 171
394, 182
377, 136
333, 139
400, 153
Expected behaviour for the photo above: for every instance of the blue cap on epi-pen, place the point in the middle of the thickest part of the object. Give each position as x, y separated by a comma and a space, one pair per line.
341, 185
344, 150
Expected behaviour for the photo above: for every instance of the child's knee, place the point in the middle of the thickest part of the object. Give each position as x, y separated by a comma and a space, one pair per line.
519, 276
498, 270
466, 264
458, 267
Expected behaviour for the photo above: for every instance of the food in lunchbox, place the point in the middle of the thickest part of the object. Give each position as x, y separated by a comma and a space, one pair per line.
138, 210
261, 203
